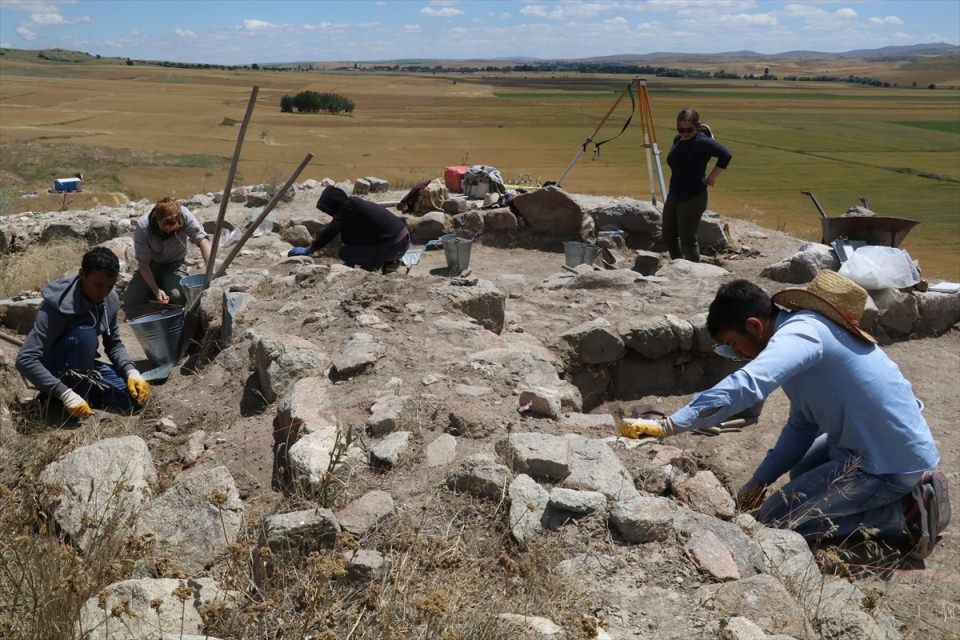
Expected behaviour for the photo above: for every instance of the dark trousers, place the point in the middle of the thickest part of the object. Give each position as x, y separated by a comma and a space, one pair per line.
680, 222
373, 256
73, 359
138, 299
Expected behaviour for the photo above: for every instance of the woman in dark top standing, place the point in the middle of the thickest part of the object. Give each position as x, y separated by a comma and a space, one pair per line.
687, 197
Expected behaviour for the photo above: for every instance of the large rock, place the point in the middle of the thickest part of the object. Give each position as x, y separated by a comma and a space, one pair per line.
640, 219
479, 474
300, 532
597, 468
938, 312
429, 226
643, 519
711, 556
710, 234
528, 506
366, 512
898, 311
595, 342
652, 337
19, 314
704, 493
483, 302
787, 556
469, 221
550, 212
540, 455
195, 519
764, 600
746, 553
623, 279
359, 353
388, 412
101, 484
687, 271
804, 265
280, 360
297, 235
500, 220
389, 451
145, 606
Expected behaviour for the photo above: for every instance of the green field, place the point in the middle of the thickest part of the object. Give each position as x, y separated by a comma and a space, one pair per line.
151, 131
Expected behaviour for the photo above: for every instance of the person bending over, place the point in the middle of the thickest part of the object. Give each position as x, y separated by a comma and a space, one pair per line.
59, 356
373, 237
859, 454
687, 196
160, 246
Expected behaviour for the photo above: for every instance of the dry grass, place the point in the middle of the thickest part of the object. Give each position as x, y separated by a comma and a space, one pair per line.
447, 575
29, 270
44, 579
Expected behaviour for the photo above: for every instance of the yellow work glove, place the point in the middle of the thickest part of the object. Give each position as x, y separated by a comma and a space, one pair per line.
640, 427
137, 386
751, 495
76, 406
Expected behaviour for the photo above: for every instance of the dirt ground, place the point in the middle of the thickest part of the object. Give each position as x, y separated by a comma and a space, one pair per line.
221, 397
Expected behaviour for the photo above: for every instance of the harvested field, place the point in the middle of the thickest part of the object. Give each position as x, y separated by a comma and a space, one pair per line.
160, 131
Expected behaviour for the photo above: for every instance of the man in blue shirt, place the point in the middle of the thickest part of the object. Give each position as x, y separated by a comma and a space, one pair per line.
859, 453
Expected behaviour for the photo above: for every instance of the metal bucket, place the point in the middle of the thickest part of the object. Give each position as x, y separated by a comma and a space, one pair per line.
579, 253
192, 287
456, 248
160, 335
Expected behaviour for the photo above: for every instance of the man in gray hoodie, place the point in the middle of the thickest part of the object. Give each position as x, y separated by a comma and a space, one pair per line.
59, 355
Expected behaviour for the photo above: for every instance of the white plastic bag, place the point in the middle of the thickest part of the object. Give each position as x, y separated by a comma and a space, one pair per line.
874, 267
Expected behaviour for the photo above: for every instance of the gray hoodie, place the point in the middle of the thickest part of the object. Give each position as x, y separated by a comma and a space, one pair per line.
64, 306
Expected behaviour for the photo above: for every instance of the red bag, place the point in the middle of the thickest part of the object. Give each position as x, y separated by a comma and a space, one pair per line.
453, 178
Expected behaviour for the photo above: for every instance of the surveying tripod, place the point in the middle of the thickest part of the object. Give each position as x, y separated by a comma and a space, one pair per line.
647, 131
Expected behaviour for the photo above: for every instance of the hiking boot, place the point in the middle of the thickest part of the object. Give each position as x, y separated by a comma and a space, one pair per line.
938, 482
922, 521
391, 266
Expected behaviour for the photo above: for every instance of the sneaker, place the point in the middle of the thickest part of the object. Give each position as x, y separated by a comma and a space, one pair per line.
391, 266
927, 515
938, 482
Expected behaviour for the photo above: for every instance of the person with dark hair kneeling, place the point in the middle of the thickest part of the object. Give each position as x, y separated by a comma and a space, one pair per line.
859, 453
373, 238
59, 356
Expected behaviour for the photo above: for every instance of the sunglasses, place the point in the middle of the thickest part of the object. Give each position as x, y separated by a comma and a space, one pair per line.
686, 129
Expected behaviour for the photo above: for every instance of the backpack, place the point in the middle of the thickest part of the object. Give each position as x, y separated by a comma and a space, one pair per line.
706, 130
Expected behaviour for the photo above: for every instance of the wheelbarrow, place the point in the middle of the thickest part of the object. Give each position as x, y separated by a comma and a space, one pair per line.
873, 230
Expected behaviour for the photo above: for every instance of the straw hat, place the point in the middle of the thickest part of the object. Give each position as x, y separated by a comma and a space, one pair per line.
833, 296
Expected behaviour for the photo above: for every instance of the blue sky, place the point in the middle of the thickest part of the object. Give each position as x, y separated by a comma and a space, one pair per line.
247, 31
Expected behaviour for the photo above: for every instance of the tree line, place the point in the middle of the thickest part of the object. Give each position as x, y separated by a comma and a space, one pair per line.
315, 101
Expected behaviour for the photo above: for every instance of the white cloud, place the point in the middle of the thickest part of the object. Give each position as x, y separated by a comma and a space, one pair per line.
846, 12
746, 20
617, 22
411, 28
802, 11
253, 24
47, 18
184, 33
886, 20
444, 12
26, 33
6, 45
534, 10
682, 5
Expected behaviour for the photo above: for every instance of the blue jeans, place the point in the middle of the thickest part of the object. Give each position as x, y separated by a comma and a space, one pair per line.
833, 498
73, 360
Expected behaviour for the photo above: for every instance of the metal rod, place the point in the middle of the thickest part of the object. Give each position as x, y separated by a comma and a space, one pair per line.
225, 199
583, 147
11, 339
251, 228
649, 132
